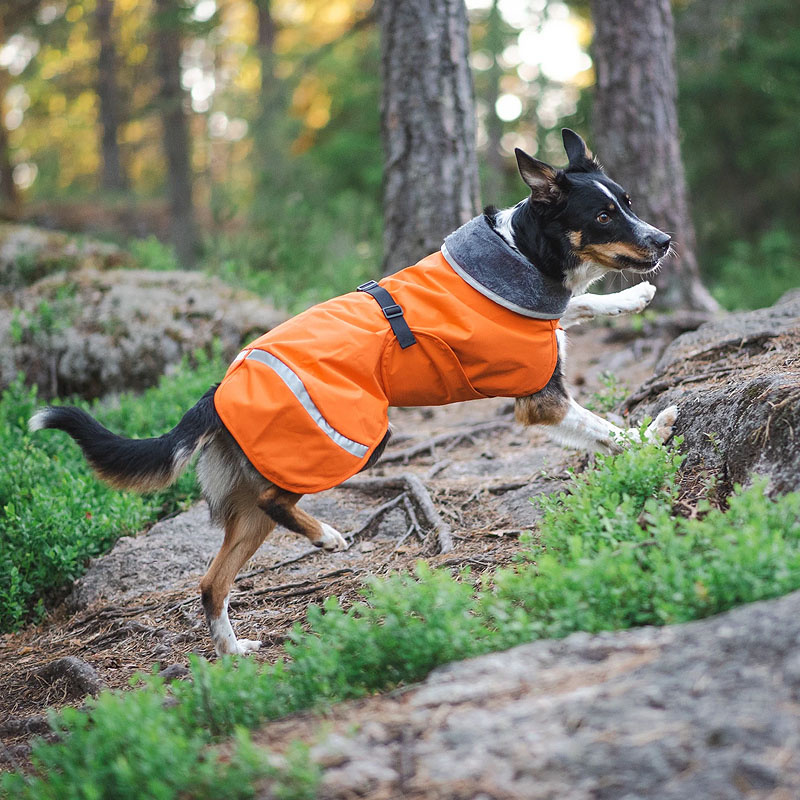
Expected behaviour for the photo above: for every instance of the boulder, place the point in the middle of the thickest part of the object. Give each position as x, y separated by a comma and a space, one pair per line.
736, 381
701, 710
92, 331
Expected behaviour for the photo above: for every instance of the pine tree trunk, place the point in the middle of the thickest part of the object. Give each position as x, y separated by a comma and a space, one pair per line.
113, 176
636, 132
9, 196
427, 125
177, 145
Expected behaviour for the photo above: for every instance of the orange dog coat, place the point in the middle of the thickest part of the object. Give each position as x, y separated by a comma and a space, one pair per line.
307, 402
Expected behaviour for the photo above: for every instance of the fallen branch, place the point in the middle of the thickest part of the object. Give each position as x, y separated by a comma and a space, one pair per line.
416, 489
298, 584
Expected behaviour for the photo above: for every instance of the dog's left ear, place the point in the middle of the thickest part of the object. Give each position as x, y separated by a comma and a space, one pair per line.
540, 178
579, 155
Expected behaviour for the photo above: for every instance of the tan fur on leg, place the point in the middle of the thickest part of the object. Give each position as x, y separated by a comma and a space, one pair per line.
245, 531
281, 506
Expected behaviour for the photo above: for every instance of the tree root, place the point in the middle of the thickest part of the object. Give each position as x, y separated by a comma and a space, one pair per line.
418, 493
452, 439
81, 676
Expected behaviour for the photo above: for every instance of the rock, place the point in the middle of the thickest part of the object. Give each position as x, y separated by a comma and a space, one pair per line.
91, 331
172, 552
736, 382
705, 709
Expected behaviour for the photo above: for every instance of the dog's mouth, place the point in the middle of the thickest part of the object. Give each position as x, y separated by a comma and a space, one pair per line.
639, 265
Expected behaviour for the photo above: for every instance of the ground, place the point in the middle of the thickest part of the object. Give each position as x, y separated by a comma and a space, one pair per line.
140, 605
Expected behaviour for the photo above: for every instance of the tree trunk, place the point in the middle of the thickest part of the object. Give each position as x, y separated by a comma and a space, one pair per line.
428, 127
636, 131
495, 162
113, 177
9, 197
177, 145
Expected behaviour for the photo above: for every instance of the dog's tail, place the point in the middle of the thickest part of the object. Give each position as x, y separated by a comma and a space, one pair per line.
139, 464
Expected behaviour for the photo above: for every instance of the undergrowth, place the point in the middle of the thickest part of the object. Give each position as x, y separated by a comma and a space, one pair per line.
609, 554
54, 514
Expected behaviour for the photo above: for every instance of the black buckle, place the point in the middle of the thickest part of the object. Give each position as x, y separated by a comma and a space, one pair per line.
390, 312
365, 287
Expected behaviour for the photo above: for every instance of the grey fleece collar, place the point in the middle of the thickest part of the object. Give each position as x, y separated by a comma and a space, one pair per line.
491, 266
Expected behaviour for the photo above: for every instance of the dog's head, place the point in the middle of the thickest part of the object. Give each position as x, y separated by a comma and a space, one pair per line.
582, 213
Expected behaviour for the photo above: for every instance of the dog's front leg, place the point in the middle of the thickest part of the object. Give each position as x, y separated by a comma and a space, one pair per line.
586, 307
581, 428
571, 424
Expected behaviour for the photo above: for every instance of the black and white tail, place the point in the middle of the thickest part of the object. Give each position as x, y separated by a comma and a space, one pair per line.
139, 464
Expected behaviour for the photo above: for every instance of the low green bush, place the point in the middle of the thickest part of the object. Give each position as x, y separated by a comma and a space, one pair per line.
610, 553
54, 514
134, 746
756, 274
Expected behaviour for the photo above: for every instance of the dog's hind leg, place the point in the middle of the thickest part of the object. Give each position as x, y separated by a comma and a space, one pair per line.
246, 527
281, 506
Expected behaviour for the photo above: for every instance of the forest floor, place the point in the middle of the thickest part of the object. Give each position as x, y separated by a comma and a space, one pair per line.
140, 605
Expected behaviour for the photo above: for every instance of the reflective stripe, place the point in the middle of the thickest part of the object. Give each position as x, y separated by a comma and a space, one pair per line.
288, 376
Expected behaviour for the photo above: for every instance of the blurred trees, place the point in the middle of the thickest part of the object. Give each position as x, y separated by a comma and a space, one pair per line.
168, 26
739, 71
280, 100
111, 103
430, 175
635, 123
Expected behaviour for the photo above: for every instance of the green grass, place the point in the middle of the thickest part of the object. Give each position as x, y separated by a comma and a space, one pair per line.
610, 554
54, 514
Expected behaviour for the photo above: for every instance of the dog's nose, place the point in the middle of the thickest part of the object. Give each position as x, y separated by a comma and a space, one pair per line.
661, 241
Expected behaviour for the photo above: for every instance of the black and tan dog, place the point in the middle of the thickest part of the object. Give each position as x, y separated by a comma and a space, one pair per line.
304, 407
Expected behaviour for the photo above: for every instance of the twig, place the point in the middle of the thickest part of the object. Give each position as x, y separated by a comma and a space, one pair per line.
429, 445
414, 486
380, 510
437, 468
298, 584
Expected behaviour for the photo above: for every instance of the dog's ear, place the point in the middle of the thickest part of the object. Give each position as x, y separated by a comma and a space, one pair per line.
579, 155
538, 176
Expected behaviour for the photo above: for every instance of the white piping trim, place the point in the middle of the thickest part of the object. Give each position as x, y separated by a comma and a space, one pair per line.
499, 299
298, 389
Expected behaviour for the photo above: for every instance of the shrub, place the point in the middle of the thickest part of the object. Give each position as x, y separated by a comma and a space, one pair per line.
54, 513
610, 554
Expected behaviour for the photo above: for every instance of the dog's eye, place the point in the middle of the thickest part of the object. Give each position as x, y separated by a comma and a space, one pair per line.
628, 201
604, 218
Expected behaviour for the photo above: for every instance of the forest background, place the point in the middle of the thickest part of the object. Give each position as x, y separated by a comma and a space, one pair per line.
281, 102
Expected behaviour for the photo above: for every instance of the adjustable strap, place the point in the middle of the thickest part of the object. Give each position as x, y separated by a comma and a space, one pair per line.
392, 312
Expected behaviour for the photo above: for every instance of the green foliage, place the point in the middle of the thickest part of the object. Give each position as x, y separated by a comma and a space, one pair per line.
54, 514
756, 274
739, 78
151, 253
134, 746
610, 554
339, 248
610, 396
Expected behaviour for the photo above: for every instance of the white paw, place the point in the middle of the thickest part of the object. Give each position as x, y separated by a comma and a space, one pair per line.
636, 298
660, 429
331, 539
247, 646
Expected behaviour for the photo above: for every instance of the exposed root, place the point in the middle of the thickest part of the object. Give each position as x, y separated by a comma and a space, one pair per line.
452, 439
80, 676
417, 491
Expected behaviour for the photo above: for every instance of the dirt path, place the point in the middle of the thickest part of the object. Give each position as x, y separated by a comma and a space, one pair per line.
140, 605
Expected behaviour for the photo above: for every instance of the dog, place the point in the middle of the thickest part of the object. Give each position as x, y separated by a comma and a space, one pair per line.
503, 289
